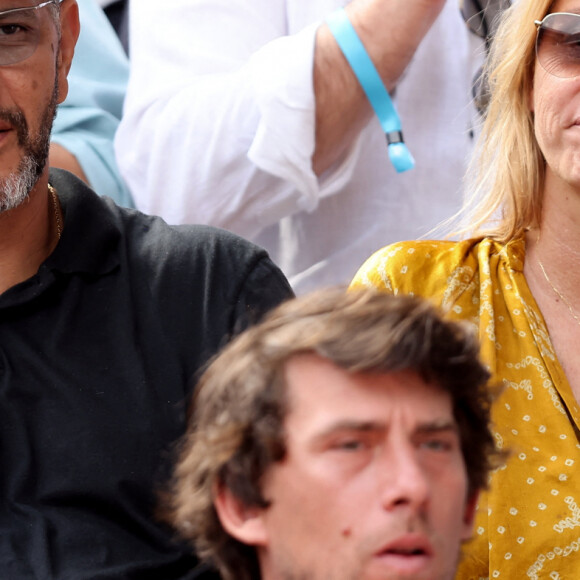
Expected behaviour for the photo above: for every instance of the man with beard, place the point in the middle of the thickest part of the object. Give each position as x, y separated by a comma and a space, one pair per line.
105, 315
345, 437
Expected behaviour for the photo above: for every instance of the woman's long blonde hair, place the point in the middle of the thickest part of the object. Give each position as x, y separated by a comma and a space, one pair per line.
505, 178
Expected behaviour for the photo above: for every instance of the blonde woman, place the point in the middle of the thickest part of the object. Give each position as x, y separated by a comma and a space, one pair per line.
517, 280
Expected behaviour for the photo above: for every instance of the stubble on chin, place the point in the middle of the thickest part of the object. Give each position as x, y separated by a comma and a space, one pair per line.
15, 188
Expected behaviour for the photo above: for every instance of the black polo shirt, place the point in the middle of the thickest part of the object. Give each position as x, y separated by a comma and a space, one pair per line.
97, 353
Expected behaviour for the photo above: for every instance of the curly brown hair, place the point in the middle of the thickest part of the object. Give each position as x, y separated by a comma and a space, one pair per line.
236, 427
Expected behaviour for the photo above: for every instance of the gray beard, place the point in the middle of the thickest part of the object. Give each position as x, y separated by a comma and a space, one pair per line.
15, 188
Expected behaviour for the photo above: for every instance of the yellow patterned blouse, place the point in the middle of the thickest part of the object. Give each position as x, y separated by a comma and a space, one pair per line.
528, 524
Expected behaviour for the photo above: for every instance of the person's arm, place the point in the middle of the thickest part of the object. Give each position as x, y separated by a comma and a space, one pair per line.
222, 118
86, 122
391, 31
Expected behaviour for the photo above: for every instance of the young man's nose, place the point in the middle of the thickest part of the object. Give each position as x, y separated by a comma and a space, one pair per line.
403, 478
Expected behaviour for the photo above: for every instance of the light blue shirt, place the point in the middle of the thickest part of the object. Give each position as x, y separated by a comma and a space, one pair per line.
87, 120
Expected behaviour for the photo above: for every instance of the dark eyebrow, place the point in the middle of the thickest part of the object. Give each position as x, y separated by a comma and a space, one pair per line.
20, 12
353, 425
436, 426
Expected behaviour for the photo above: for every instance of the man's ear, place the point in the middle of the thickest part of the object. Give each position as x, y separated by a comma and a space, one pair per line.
70, 29
243, 523
469, 516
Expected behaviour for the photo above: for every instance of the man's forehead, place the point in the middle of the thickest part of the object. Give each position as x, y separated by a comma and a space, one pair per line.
316, 387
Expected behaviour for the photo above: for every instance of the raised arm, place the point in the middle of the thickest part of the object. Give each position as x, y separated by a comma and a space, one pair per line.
235, 109
391, 31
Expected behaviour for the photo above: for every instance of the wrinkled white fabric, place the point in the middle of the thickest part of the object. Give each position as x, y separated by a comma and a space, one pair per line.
218, 128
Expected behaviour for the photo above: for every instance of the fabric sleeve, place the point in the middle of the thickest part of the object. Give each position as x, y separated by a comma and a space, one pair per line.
220, 113
263, 289
438, 270
87, 120
377, 270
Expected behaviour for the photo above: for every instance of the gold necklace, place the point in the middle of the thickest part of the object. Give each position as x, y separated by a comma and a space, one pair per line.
56, 210
558, 293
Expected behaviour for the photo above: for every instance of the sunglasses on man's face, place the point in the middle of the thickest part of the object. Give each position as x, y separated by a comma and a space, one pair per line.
558, 44
20, 32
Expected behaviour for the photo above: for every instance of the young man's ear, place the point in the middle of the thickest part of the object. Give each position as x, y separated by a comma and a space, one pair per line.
243, 523
70, 29
469, 516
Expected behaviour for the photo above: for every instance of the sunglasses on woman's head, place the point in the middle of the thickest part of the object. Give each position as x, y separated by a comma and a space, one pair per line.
558, 44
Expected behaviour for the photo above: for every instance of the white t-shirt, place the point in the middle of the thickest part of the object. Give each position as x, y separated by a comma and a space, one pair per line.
218, 128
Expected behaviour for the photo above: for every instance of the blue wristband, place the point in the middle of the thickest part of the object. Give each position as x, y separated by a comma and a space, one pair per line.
373, 87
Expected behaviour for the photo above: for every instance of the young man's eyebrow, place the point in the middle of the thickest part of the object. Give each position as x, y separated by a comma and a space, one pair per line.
436, 425
353, 425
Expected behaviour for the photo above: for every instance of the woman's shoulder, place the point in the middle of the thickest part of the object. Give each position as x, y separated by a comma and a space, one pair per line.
425, 267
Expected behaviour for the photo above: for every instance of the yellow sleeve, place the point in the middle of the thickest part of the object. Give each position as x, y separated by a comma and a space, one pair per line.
420, 268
